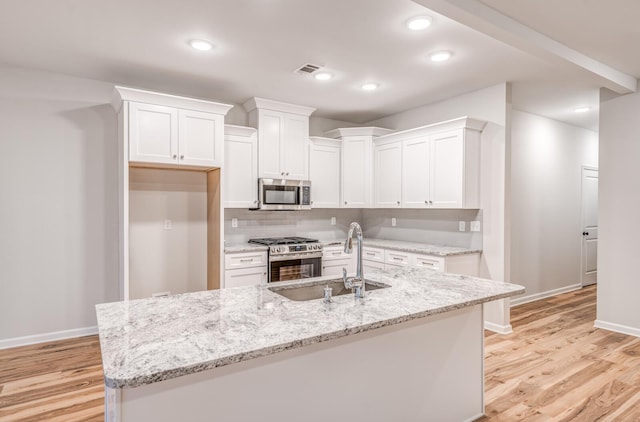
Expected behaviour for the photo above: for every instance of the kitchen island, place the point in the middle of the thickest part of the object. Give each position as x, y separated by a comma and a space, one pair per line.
409, 352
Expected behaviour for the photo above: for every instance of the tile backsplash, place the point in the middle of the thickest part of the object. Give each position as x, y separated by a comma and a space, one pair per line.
425, 226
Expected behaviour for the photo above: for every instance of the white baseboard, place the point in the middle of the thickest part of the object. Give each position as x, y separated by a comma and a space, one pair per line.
497, 328
41, 338
543, 295
623, 329
478, 416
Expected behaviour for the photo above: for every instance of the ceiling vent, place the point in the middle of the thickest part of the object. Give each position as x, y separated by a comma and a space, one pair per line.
307, 69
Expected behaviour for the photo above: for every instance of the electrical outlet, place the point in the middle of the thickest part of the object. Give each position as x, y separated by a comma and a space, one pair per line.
167, 224
234, 223
333, 221
393, 222
462, 226
475, 226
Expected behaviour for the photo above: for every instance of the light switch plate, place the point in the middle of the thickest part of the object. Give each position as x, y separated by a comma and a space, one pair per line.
234, 223
462, 226
393, 222
333, 221
475, 226
167, 224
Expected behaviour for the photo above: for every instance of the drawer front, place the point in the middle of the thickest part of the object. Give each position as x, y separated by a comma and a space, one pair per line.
244, 260
397, 258
427, 261
373, 254
336, 252
245, 277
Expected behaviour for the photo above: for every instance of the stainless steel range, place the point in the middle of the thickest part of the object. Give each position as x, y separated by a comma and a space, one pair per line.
292, 258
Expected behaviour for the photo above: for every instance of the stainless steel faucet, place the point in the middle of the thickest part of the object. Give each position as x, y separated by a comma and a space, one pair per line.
356, 282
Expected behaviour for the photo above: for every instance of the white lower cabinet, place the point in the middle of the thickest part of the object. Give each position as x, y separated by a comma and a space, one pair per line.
375, 259
245, 269
334, 260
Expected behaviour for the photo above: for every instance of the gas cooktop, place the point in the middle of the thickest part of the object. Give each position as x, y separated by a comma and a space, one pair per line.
268, 241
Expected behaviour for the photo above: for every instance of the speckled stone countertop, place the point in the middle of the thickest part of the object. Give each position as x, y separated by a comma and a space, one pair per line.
398, 245
413, 247
244, 247
149, 340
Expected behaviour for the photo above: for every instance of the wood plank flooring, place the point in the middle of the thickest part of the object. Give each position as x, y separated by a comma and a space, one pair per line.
57, 381
554, 367
557, 367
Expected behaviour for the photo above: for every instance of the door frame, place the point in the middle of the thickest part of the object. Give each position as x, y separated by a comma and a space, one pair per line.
582, 222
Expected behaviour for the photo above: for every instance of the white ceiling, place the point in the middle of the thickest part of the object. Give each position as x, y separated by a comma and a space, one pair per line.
259, 43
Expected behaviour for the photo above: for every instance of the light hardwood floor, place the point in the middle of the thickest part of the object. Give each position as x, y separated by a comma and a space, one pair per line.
554, 367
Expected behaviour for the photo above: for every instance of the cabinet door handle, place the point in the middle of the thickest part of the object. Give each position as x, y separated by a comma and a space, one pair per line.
345, 202
287, 174
426, 202
175, 156
182, 157
430, 202
282, 174
397, 258
246, 260
398, 202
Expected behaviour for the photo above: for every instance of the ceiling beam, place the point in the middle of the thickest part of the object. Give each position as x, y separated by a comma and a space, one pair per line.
479, 16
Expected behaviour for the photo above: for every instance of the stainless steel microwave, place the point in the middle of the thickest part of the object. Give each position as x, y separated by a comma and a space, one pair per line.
284, 195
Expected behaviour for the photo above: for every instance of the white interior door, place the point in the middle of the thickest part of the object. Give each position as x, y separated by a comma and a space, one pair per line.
589, 225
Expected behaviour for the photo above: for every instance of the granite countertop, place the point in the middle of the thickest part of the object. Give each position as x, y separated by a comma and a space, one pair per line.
149, 340
398, 245
244, 247
420, 248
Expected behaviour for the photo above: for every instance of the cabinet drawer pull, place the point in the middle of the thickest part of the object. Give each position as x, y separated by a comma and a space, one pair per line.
431, 264
370, 253
397, 258
337, 253
246, 260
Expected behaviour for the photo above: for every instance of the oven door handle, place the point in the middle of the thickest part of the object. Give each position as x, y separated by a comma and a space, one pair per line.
295, 256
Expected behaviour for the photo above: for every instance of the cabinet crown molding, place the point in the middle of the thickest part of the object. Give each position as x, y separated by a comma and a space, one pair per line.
459, 123
121, 94
357, 131
239, 130
261, 103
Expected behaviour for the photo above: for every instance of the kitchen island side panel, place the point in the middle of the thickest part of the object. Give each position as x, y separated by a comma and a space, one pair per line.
425, 369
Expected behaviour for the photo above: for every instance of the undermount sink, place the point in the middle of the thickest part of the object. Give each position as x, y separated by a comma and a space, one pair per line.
315, 290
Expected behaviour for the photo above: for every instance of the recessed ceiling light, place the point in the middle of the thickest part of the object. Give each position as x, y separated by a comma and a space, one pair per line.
370, 86
582, 109
419, 23
323, 76
440, 56
201, 45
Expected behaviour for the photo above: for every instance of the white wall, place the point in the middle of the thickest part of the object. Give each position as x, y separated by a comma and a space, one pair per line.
546, 169
493, 105
58, 218
618, 205
163, 260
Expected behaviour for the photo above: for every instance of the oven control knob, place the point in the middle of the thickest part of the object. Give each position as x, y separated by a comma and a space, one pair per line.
281, 249
273, 250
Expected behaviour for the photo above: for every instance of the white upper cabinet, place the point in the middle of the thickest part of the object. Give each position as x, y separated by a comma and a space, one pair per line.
283, 136
200, 138
164, 130
240, 174
415, 172
440, 166
447, 165
356, 166
324, 172
388, 175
